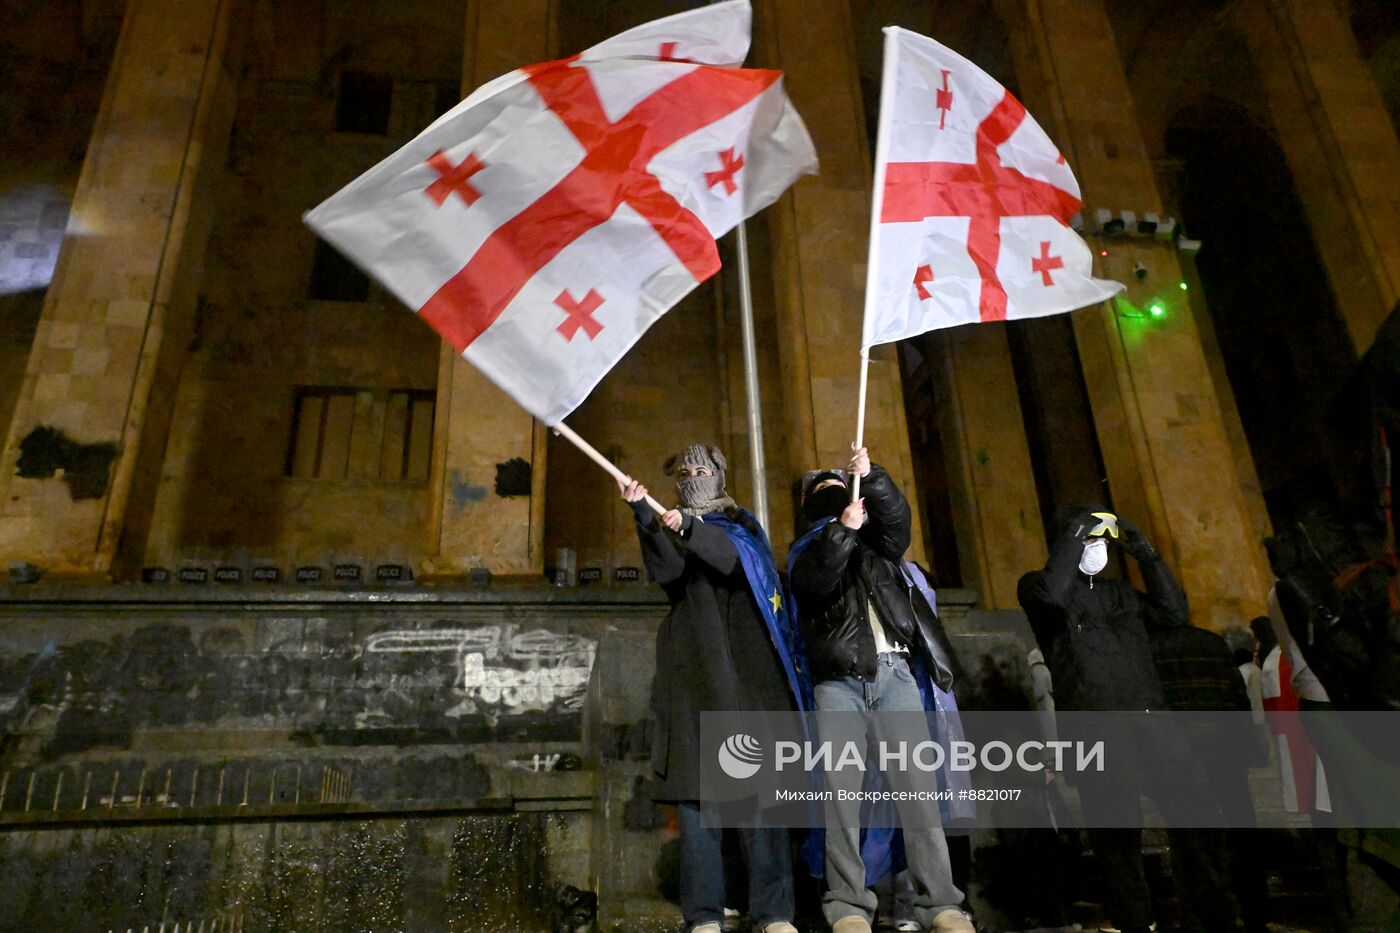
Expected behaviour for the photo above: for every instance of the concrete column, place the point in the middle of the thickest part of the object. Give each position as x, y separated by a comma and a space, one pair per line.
487, 482
82, 459
820, 233
1341, 146
995, 509
1156, 412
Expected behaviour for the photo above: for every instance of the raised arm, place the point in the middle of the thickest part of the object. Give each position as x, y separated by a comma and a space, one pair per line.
663, 561
1049, 588
888, 530
710, 545
817, 572
1162, 588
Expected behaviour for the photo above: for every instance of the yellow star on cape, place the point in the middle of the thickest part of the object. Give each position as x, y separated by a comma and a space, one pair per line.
777, 600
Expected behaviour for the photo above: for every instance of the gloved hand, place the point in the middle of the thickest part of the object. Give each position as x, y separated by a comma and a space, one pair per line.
1135, 542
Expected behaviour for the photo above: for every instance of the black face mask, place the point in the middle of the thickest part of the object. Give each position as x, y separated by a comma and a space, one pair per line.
827, 502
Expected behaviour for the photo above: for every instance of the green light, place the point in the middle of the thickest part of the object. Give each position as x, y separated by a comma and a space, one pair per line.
1183, 286
1156, 309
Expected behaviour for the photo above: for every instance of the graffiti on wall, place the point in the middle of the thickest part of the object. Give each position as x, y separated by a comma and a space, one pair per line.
512, 673
313, 680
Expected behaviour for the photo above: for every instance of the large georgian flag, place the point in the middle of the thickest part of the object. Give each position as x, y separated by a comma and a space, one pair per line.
544, 223
972, 203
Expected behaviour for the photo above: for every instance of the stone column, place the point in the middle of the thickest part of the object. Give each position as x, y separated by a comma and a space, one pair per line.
82, 460
820, 233
1157, 416
1341, 147
996, 512
487, 482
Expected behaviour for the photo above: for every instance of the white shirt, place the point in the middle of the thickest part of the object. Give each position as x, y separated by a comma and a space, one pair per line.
1254, 686
883, 645
1305, 682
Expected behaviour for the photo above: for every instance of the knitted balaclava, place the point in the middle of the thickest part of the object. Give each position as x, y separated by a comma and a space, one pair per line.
700, 495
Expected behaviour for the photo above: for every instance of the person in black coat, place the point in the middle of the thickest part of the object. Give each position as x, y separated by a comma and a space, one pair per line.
1094, 635
714, 652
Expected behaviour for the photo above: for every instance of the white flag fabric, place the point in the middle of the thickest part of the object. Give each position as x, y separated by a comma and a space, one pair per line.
544, 223
972, 203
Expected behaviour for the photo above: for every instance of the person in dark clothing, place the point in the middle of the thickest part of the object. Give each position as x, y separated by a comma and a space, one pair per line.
861, 622
1095, 640
1199, 675
719, 649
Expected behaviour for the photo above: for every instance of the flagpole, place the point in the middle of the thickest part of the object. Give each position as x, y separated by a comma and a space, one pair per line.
860, 416
758, 470
622, 478
888, 76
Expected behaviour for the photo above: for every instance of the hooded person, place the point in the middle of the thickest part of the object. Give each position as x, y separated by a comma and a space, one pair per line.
874, 647
1094, 634
724, 646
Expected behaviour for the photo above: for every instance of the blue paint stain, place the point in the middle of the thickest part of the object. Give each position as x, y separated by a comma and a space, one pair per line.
463, 492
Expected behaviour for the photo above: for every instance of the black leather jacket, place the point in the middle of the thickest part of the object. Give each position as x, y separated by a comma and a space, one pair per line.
843, 570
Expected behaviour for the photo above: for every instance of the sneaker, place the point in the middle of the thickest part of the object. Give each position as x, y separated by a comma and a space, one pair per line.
780, 926
1109, 928
952, 921
908, 926
855, 923
706, 928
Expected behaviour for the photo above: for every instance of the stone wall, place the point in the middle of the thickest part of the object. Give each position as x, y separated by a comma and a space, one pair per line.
183, 753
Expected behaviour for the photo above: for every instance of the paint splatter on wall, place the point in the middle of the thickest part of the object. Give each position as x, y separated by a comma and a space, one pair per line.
46, 451
513, 478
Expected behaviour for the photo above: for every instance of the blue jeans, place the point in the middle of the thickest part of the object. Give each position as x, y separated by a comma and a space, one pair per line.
769, 863
926, 850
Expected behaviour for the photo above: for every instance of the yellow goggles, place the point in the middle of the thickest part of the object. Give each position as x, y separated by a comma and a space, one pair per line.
1108, 525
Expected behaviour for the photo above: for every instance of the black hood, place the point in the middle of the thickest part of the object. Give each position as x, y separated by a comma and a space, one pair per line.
810, 514
1066, 514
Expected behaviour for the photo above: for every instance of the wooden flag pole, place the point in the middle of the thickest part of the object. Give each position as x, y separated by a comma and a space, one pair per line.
860, 416
622, 478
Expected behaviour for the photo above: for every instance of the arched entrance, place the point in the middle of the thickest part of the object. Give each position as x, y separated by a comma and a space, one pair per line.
1284, 346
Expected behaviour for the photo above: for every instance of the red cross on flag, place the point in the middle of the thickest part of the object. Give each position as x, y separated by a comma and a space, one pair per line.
972, 203
545, 222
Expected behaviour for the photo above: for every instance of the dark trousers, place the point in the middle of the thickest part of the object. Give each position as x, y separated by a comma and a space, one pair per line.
1165, 770
1229, 779
766, 855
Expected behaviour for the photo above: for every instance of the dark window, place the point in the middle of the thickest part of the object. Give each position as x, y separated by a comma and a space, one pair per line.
363, 104
394, 443
335, 278
323, 424
408, 435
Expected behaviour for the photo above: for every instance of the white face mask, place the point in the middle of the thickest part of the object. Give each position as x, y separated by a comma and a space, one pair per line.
1095, 556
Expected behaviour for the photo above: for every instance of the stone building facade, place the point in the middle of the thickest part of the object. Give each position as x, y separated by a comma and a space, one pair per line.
236, 393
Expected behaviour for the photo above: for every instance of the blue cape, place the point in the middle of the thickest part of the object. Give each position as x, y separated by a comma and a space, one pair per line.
882, 847
773, 603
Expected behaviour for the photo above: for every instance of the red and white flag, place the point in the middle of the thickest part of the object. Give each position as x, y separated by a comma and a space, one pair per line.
972, 203
544, 223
